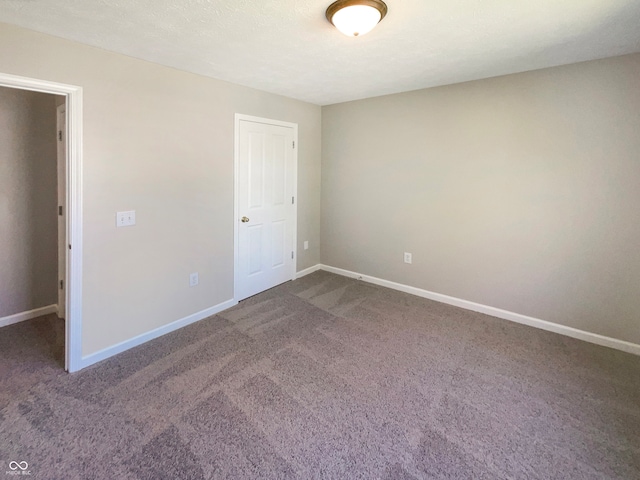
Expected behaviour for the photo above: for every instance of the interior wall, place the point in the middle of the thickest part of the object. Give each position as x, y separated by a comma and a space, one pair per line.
159, 141
519, 192
28, 201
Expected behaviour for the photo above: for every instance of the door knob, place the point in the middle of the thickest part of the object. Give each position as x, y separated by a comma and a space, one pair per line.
244, 219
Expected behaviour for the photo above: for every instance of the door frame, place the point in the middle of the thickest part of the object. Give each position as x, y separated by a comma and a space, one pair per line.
236, 213
73, 171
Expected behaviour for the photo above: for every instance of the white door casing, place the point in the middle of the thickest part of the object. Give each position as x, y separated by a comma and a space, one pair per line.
265, 204
73, 283
61, 133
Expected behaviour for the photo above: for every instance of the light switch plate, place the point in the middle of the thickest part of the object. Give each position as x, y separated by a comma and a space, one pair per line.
126, 219
306, 244
193, 279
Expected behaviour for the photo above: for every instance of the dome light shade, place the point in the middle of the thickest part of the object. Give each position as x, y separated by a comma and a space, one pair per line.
356, 17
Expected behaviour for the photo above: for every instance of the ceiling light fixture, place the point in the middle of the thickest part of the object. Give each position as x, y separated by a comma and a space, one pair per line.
356, 17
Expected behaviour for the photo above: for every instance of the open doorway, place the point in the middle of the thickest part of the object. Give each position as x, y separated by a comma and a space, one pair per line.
32, 174
41, 212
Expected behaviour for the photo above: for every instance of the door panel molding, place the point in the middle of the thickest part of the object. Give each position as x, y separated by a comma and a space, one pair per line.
237, 214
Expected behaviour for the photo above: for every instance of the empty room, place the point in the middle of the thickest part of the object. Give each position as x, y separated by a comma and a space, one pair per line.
307, 239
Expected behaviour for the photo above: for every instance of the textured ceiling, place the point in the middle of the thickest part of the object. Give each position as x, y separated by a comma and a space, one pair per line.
288, 47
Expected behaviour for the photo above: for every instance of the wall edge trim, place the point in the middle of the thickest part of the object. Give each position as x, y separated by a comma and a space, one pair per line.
583, 335
28, 315
155, 333
308, 271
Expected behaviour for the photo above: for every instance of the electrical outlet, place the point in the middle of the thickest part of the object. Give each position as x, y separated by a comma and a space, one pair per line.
306, 244
407, 257
193, 279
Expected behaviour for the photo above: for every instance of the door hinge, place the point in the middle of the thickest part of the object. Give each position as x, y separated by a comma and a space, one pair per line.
69, 246
294, 144
59, 135
291, 254
60, 210
292, 200
61, 284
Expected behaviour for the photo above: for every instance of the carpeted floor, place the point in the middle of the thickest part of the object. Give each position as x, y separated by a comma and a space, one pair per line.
325, 377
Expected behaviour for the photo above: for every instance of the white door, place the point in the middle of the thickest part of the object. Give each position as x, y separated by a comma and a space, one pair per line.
62, 207
265, 199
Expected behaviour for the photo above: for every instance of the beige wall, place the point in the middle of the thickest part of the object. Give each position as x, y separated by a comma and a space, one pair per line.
28, 200
159, 141
519, 192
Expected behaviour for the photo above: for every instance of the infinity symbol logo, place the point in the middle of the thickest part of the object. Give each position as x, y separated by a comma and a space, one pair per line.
20, 465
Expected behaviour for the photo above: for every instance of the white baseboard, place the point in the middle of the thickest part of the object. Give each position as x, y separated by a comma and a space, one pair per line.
438, 297
21, 317
158, 332
307, 271
495, 312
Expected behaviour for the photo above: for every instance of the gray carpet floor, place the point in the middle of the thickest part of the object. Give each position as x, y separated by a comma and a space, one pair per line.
325, 377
